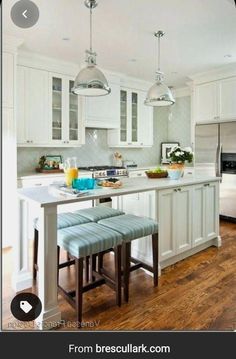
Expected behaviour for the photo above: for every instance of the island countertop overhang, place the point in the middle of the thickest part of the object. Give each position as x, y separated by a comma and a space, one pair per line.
47, 196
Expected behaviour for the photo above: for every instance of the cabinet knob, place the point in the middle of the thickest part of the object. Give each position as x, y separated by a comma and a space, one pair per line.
175, 190
206, 184
179, 189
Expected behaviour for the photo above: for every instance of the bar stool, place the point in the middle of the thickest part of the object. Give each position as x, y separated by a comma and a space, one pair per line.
133, 227
82, 241
70, 219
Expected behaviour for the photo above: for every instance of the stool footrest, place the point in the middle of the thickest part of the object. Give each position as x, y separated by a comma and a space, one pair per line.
140, 264
66, 264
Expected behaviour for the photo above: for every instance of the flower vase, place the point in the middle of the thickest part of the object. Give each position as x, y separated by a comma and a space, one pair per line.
176, 170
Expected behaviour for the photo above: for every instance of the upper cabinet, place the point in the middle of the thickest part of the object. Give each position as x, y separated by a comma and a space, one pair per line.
227, 105
32, 107
215, 101
8, 80
135, 121
65, 112
48, 114
103, 111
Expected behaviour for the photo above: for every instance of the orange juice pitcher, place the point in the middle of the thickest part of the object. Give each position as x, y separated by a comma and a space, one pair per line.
71, 170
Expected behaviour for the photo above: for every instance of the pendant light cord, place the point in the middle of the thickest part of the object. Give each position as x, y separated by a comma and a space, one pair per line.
91, 31
159, 53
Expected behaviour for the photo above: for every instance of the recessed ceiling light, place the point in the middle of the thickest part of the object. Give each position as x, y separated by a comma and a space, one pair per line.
228, 55
132, 60
65, 38
174, 73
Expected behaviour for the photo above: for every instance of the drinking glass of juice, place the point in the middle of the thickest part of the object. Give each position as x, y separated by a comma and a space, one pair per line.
71, 170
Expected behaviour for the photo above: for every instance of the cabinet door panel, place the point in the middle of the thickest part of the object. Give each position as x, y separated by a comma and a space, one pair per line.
8, 80
37, 106
166, 224
198, 215
212, 210
205, 104
227, 99
182, 219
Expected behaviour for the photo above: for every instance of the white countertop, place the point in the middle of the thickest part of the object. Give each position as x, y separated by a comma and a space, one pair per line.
33, 175
48, 195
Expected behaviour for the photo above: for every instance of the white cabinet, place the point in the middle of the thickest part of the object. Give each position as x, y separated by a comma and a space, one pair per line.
66, 127
8, 80
175, 210
32, 107
9, 197
212, 210
206, 103
47, 112
215, 101
206, 210
136, 121
103, 111
227, 90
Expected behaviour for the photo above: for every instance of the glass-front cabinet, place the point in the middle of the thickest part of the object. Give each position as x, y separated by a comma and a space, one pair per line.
56, 108
136, 121
67, 128
129, 113
123, 116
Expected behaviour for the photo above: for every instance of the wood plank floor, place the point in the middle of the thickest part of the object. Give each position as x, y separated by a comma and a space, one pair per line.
198, 293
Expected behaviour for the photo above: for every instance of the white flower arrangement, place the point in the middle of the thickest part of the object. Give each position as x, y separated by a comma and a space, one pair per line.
180, 155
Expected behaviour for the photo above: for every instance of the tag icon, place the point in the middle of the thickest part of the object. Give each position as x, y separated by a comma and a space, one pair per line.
25, 306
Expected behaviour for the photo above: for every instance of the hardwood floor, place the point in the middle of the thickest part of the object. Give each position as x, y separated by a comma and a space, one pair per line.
198, 293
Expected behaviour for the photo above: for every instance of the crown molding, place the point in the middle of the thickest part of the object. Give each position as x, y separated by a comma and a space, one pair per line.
214, 74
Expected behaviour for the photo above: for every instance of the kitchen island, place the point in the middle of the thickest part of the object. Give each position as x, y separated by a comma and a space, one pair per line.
187, 211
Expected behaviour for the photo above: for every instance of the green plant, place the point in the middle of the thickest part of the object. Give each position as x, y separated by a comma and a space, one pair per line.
180, 155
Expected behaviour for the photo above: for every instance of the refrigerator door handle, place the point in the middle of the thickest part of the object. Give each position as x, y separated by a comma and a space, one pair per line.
218, 160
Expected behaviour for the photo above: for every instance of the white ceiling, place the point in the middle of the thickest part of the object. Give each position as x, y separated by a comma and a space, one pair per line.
198, 34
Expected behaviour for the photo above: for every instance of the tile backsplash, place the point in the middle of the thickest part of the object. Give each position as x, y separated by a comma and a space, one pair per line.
169, 125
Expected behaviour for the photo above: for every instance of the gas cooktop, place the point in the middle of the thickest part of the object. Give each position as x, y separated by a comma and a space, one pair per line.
105, 171
99, 168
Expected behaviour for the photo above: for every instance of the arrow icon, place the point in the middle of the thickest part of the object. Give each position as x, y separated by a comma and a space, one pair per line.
24, 13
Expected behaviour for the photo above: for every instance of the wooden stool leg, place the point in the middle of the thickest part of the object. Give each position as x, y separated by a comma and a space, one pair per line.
126, 270
58, 262
35, 253
100, 262
79, 289
87, 268
92, 266
155, 258
117, 251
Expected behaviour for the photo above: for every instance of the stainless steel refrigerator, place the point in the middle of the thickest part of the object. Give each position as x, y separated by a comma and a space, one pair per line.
215, 154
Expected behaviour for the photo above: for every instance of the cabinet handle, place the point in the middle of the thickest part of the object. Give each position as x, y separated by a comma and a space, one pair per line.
206, 184
179, 189
139, 174
130, 143
38, 184
141, 143
175, 190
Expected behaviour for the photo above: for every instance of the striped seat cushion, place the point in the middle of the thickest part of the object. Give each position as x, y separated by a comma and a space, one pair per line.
130, 226
67, 219
95, 214
86, 239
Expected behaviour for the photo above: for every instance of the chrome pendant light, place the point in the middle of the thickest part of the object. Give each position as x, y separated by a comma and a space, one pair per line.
90, 81
159, 94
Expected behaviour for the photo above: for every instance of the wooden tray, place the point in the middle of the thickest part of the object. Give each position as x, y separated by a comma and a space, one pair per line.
156, 175
41, 170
